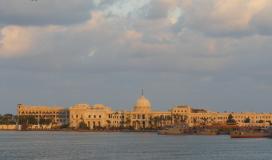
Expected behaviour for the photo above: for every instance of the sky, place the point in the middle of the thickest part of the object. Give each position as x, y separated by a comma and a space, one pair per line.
213, 54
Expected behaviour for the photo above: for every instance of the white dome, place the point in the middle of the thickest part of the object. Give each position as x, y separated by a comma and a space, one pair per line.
142, 105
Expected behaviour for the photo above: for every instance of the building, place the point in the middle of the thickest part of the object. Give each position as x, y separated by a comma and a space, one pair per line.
142, 116
95, 116
57, 115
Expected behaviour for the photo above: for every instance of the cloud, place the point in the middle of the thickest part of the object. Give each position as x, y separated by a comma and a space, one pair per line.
125, 8
14, 41
193, 50
225, 18
95, 20
44, 12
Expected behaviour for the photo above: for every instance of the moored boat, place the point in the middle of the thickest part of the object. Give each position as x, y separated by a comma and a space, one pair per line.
174, 130
250, 134
171, 131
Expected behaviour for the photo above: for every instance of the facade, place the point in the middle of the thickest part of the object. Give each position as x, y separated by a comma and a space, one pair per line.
57, 115
95, 116
142, 116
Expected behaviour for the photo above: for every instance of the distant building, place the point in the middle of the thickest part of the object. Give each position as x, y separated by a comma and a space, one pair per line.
142, 116
57, 115
93, 116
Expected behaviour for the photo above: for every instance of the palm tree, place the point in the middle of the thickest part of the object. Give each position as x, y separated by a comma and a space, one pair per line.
247, 120
128, 121
194, 121
156, 120
151, 120
205, 120
138, 125
231, 120
183, 118
109, 123
168, 118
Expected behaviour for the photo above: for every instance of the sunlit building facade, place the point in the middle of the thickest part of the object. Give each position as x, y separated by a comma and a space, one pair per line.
142, 116
95, 116
57, 114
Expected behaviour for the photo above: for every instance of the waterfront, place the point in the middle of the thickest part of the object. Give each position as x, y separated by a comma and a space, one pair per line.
128, 146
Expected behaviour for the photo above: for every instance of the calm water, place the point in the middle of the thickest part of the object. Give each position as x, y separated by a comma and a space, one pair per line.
129, 146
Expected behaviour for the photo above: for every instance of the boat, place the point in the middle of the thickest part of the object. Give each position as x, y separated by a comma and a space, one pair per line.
174, 130
207, 132
251, 134
171, 131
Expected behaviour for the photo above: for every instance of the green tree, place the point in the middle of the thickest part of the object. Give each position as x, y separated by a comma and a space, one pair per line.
205, 120
109, 123
157, 120
27, 120
7, 119
44, 121
183, 118
231, 120
83, 125
128, 121
247, 120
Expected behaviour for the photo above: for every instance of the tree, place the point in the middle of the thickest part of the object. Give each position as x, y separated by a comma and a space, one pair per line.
270, 123
83, 125
205, 120
176, 119
137, 124
180, 119
231, 120
128, 121
44, 121
27, 120
247, 120
109, 123
194, 121
7, 119
183, 118
151, 124
168, 119
157, 121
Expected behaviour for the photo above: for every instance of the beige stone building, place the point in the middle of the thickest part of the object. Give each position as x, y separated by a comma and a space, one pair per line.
141, 116
58, 115
93, 116
102, 116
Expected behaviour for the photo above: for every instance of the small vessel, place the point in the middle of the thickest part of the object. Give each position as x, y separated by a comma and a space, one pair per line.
174, 130
250, 134
171, 131
207, 132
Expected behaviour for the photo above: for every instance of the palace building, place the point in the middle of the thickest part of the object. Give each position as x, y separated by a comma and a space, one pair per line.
57, 115
142, 116
93, 116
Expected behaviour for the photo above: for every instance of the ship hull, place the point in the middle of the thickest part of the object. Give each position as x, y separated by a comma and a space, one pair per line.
249, 136
246, 134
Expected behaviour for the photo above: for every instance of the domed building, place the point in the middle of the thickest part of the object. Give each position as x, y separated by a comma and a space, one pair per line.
141, 113
142, 105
